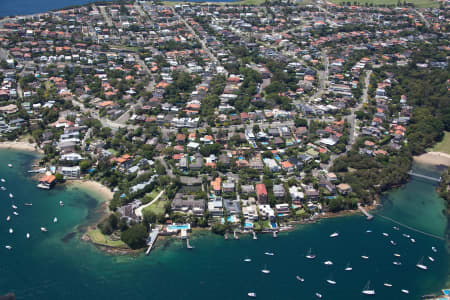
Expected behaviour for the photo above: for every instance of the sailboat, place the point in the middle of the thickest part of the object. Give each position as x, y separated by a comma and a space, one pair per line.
434, 249
396, 228
348, 267
28, 235
430, 258
420, 264
406, 235
318, 295
3, 180
43, 229
61, 203
13, 206
387, 284
55, 219
331, 281
11, 195
11, 231
335, 234
301, 279
15, 213
397, 263
28, 204
265, 270
2, 188
252, 295
8, 247
8, 218
367, 290
405, 291
310, 255
368, 231
385, 234
10, 165
328, 263
269, 253
364, 257
247, 259
396, 255
393, 243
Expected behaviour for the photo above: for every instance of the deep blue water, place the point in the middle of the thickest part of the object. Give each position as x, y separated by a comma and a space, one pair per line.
25, 7
46, 267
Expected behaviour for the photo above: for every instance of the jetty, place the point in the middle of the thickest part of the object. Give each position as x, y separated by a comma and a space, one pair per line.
151, 240
236, 237
274, 234
254, 235
362, 209
189, 245
411, 173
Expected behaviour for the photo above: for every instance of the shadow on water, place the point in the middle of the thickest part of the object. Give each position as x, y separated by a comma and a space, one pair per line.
68, 237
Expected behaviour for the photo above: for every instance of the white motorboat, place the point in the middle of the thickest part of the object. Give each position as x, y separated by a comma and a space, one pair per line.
434, 249
396, 263
265, 271
348, 267
247, 260
13, 206
413, 240
11, 195
332, 282
2, 188
269, 253
368, 231
61, 203
420, 265
396, 228
367, 290
393, 243
15, 213
10, 165
310, 255
3, 180
252, 295
43, 229
8, 218
55, 219
28, 235
28, 204
397, 255
405, 291
385, 234
430, 258
387, 284
335, 234
8, 247
318, 295
328, 263
11, 231
364, 257
406, 235
301, 279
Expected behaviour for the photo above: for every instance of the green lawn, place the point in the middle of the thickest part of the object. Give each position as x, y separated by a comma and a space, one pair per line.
99, 238
149, 197
444, 145
417, 3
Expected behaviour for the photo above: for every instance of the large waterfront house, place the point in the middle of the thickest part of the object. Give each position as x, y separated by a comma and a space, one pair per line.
47, 182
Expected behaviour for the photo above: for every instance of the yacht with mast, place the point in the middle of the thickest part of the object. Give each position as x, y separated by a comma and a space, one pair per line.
367, 290
310, 255
420, 264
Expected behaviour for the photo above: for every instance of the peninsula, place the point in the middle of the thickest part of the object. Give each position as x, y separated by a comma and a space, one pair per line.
238, 118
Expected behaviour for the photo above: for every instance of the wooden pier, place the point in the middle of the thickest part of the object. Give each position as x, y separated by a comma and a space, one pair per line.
368, 215
254, 235
411, 173
151, 240
189, 245
236, 237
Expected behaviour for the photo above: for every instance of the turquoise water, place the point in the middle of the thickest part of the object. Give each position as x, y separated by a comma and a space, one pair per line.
57, 265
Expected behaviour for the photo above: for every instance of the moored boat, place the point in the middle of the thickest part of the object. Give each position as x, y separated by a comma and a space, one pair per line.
328, 263
247, 260
61, 203
265, 270
397, 255
348, 267
15, 213
385, 234
55, 219
28, 204
13, 206
252, 295
8, 218
8, 247
430, 258
301, 279
269, 253
43, 229
11, 195
11, 231
364, 257
367, 290
335, 234
310, 255
387, 284
318, 295
397, 263
10, 165
28, 235
434, 249
405, 291
393, 243
420, 265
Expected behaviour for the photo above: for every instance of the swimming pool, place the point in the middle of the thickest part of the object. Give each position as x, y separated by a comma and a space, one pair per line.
230, 219
248, 225
178, 227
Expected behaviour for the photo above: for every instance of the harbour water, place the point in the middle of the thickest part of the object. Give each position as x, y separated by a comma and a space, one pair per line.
57, 265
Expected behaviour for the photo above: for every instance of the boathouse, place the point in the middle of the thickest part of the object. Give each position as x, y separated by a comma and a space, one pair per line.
47, 182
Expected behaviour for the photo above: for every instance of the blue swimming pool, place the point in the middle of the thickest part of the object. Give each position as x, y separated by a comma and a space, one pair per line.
178, 227
248, 225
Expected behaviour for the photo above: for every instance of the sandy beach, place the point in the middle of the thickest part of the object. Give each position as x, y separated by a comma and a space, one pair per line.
434, 158
94, 187
24, 146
